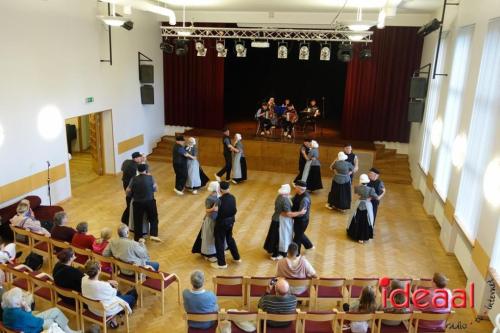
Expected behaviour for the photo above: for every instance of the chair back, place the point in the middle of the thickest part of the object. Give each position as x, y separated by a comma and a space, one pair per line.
255, 287
58, 245
17, 276
263, 317
39, 238
43, 286
422, 284
82, 255
201, 317
356, 316
326, 318
229, 286
90, 303
121, 266
68, 293
18, 231
393, 316
108, 260
356, 285
430, 316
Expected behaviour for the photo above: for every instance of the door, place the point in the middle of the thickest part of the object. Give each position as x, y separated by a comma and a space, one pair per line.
96, 146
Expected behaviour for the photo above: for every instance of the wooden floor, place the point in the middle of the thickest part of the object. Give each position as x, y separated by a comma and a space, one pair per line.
406, 240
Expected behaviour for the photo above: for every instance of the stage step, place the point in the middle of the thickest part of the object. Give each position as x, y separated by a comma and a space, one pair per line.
163, 150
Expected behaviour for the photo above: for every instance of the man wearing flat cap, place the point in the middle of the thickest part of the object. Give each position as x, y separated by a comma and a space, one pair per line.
179, 161
129, 171
379, 187
301, 203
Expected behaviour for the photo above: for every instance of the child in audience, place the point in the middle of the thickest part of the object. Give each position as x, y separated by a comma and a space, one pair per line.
439, 281
100, 244
366, 304
399, 299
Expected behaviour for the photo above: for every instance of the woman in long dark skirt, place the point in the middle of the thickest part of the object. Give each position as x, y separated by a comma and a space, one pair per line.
239, 161
340, 194
312, 169
361, 222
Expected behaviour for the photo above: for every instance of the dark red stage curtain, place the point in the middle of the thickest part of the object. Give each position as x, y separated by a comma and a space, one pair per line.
377, 89
194, 88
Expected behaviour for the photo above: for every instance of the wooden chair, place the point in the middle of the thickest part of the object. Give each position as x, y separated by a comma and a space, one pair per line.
318, 322
157, 283
72, 309
421, 284
202, 317
108, 260
86, 314
57, 246
330, 289
41, 245
431, 316
293, 318
235, 316
342, 317
22, 233
255, 288
133, 280
356, 285
230, 287
82, 256
402, 328
305, 296
43, 287
17, 276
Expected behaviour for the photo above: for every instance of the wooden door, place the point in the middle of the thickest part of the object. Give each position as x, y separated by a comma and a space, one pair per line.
96, 144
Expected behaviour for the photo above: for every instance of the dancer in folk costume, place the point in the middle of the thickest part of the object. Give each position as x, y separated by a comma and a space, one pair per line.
340, 194
312, 169
379, 187
361, 222
239, 161
196, 177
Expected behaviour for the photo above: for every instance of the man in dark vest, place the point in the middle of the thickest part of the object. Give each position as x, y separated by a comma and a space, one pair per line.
129, 171
379, 187
179, 160
228, 149
351, 158
141, 189
301, 203
223, 231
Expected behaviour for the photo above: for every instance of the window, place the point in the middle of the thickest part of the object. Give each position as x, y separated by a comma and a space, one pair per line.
432, 106
481, 133
458, 76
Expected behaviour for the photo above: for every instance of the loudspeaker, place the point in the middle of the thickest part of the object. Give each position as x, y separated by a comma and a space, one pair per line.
416, 111
418, 87
146, 74
147, 94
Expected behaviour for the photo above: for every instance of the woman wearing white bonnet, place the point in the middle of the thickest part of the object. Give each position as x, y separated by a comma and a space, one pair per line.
312, 169
361, 222
239, 161
196, 177
205, 242
340, 194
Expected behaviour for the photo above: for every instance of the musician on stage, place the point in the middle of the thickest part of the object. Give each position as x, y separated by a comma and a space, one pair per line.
264, 115
310, 114
290, 117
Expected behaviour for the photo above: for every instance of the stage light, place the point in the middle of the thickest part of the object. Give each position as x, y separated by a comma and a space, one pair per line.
491, 183
325, 53
304, 52
2, 135
282, 51
344, 53
181, 47
260, 44
129, 25
201, 50
50, 122
436, 132
458, 150
356, 37
167, 47
220, 47
241, 50
429, 27
365, 53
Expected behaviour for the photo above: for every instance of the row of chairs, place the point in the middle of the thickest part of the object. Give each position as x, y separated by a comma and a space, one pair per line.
317, 322
248, 289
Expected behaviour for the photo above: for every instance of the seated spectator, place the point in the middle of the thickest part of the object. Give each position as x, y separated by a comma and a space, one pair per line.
439, 281
295, 266
198, 300
66, 276
61, 231
17, 314
99, 246
399, 299
366, 304
7, 255
106, 292
281, 301
26, 220
82, 240
128, 250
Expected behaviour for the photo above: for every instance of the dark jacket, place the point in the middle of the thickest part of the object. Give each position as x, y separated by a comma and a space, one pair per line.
227, 209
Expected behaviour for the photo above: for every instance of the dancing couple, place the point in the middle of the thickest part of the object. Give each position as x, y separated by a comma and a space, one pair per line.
188, 172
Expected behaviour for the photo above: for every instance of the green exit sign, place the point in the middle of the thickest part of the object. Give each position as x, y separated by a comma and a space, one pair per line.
89, 99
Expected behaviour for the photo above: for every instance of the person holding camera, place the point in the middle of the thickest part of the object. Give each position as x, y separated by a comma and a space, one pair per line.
278, 300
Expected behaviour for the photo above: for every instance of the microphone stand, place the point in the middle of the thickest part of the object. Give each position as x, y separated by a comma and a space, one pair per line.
48, 183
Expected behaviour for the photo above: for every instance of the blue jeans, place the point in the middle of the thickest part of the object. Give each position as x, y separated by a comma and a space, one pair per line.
130, 299
154, 264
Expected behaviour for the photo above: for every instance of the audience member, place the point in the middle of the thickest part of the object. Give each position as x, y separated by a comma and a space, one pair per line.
439, 281
399, 298
66, 276
82, 240
366, 304
61, 231
281, 301
295, 266
199, 300
26, 220
99, 246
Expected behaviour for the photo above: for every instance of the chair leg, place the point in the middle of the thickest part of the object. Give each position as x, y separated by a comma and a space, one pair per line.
127, 323
162, 302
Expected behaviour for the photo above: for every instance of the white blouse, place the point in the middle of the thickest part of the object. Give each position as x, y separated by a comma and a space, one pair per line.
104, 292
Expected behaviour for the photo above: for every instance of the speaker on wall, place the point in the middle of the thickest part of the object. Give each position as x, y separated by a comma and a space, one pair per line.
146, 74
418, 87
416, 111
147, 94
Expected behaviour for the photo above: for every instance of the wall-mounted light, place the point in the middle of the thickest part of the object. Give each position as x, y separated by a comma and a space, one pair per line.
50, 122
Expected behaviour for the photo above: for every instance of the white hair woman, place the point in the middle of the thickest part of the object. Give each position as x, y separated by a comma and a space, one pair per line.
340, 194
361, 222
17, 314
312, 169
196, 177
205, 242
239, 161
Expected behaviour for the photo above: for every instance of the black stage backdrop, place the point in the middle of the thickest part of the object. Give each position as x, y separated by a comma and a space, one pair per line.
250, 80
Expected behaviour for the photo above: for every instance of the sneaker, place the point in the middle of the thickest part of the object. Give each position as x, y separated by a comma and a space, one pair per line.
234, 181
216, 265
329, 207
195, 191
217, 178
178, 192
237, 261
155, 238
277, 258
211, 259
312, 248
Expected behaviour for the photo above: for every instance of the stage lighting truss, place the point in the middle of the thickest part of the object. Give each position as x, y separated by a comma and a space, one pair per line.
283, 50
201, 50
304, 52
220, 47
338, 33
325, 52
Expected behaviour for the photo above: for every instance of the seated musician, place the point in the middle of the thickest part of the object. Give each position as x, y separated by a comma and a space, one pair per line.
263, 115
290, 117
312, 110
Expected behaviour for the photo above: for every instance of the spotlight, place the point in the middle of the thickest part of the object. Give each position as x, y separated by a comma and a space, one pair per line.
429, 27
220, 47
129, 25
325, 52
365, 53
181, 47
260, 44
201, 51
241, 50
282, 51
344, 53
167, 47
304, 52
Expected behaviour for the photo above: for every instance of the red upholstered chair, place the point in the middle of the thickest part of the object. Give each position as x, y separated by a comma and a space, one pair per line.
202, 317
157, 283
293, 318
43, 287
239, 316
402, 328
329, 289
433, 316
87, 315
305, 296
318, 322
230, 287
22, 239
65, 307
41, 245
255, 288
343, 317
356, 285
17, 276
424, 283
82, 256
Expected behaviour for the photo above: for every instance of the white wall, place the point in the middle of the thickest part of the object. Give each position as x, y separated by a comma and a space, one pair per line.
468, 12
50, 55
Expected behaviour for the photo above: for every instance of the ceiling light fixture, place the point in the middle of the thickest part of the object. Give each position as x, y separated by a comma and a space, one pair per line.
241, 50
113, 20
324, 54
181, 47
220, 47
344, 53
167, 47
365, 53
357, 36
260, 44
304, 52
201, 50
282, 50
146, 6
359, 24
